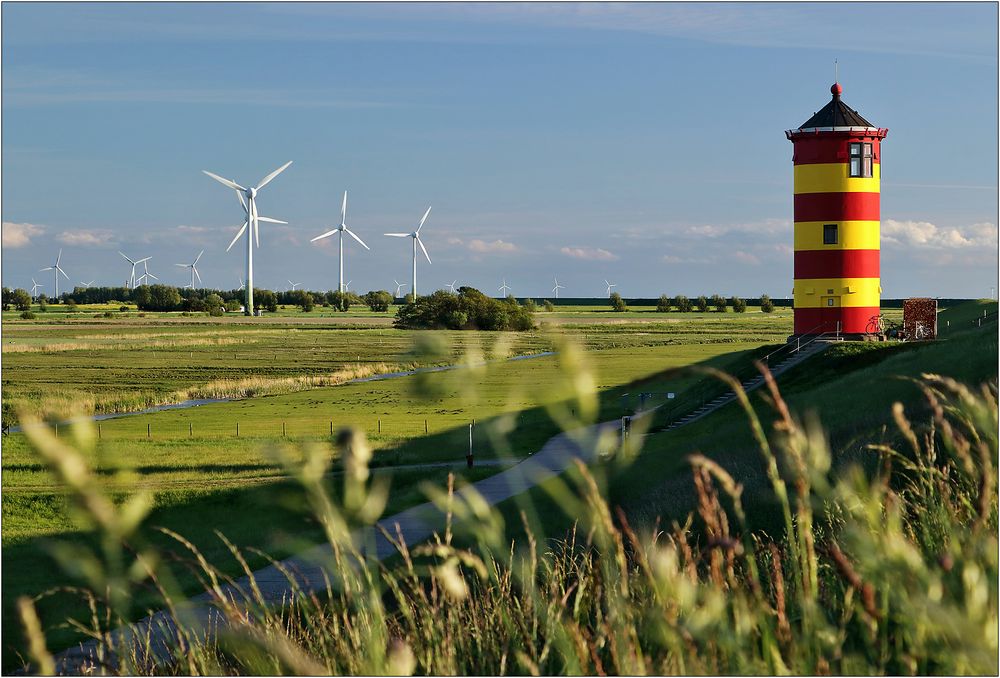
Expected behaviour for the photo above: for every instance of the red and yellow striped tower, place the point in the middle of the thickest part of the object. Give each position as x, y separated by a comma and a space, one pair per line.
837, 170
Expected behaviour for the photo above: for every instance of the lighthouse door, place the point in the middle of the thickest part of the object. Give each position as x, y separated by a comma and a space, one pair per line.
831, 314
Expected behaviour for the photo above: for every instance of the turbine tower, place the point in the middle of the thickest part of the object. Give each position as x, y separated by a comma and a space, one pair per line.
194, 270
341, 230
610, 285
416, 241
252, 221
504, 287
55, 272
130, 283
557, 287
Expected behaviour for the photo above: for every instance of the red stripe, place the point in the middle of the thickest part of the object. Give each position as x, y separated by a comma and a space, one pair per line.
853, 320
809, 150
836, 264
846, 206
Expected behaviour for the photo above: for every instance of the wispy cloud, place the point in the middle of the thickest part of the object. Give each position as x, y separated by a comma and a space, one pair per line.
589, 253
14, 235
495, 247
925, 235
87, 238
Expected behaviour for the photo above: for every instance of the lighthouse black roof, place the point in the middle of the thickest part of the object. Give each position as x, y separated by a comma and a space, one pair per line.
836, 114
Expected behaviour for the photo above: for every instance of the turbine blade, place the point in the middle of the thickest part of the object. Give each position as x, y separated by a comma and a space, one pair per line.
354, 235
196, 259
196, 274
343, 209
242, 201
256, 231
397, 235
423, 219
266, 180
46, 269
237, 236
325, 235
63, 272
424, 249
126, 258
152, 276
225, 182
142, 260
269, 220
58, 257
183, 265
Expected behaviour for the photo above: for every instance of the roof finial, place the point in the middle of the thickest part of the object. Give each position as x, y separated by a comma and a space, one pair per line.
836, 71
836, 89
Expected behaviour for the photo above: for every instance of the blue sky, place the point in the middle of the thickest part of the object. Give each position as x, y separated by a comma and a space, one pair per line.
642, 143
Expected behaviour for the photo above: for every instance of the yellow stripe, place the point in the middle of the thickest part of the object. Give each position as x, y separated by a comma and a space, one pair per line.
809, 292
832, 178
851, 235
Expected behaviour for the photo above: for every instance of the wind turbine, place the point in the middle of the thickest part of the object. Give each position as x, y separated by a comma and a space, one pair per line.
252, 221
416, 241
194, 270
557, 287
399, 287
86, 285
294, 285
34, 288
242, 284
504, 287
145, 272
55, 272
451, 286
130, 283
347, 286
341, 230
610, 285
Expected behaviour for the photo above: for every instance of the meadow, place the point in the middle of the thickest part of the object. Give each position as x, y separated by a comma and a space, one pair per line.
195, 465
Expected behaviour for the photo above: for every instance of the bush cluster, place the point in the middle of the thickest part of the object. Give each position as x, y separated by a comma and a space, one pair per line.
470, 309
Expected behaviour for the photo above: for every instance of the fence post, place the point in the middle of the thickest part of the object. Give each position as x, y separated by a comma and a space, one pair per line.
57, 429
425, 426
190, 429
237, 429
331, 427
468, 457
282, 429
147, 430
98, 430
380, 424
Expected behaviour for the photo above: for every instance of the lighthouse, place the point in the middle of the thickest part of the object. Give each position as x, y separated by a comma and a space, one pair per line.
837, 164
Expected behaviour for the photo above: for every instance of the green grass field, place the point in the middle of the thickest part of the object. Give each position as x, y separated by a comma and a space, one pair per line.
197, 467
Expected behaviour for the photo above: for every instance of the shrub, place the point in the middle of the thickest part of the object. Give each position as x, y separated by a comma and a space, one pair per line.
739, 305
766, 305
663, 305
378, 301
233, 305
340, 301
468, 309
215, 305
266, 299
21, 300
123, 309
719, 302
110, 314
159, 298
530, 306
548, 306
27, 315
682, 303
617, 303
71, 306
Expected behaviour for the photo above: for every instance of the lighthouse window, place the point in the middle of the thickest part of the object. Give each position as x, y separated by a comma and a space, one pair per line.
829, 234
861, 160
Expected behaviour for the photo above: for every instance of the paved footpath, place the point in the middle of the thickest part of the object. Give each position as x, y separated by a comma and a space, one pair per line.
416, 525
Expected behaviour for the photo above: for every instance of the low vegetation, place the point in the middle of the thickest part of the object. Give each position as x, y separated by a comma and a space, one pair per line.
469, 309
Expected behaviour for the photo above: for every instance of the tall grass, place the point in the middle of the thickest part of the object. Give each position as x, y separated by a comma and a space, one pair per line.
887, 573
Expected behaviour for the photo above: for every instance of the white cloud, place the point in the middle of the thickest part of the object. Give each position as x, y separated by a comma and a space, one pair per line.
495, 246
18, 235
86, 238
925, 235
589, 253
746, 258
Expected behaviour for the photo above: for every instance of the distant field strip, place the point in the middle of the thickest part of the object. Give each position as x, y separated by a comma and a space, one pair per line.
250, 387
126, 346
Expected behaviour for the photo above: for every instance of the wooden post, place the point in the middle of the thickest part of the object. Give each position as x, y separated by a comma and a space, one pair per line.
237, 429
190, 429
468, 457
98, 430
380, 424
331, 427
282, 429
425, 426
147, 430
